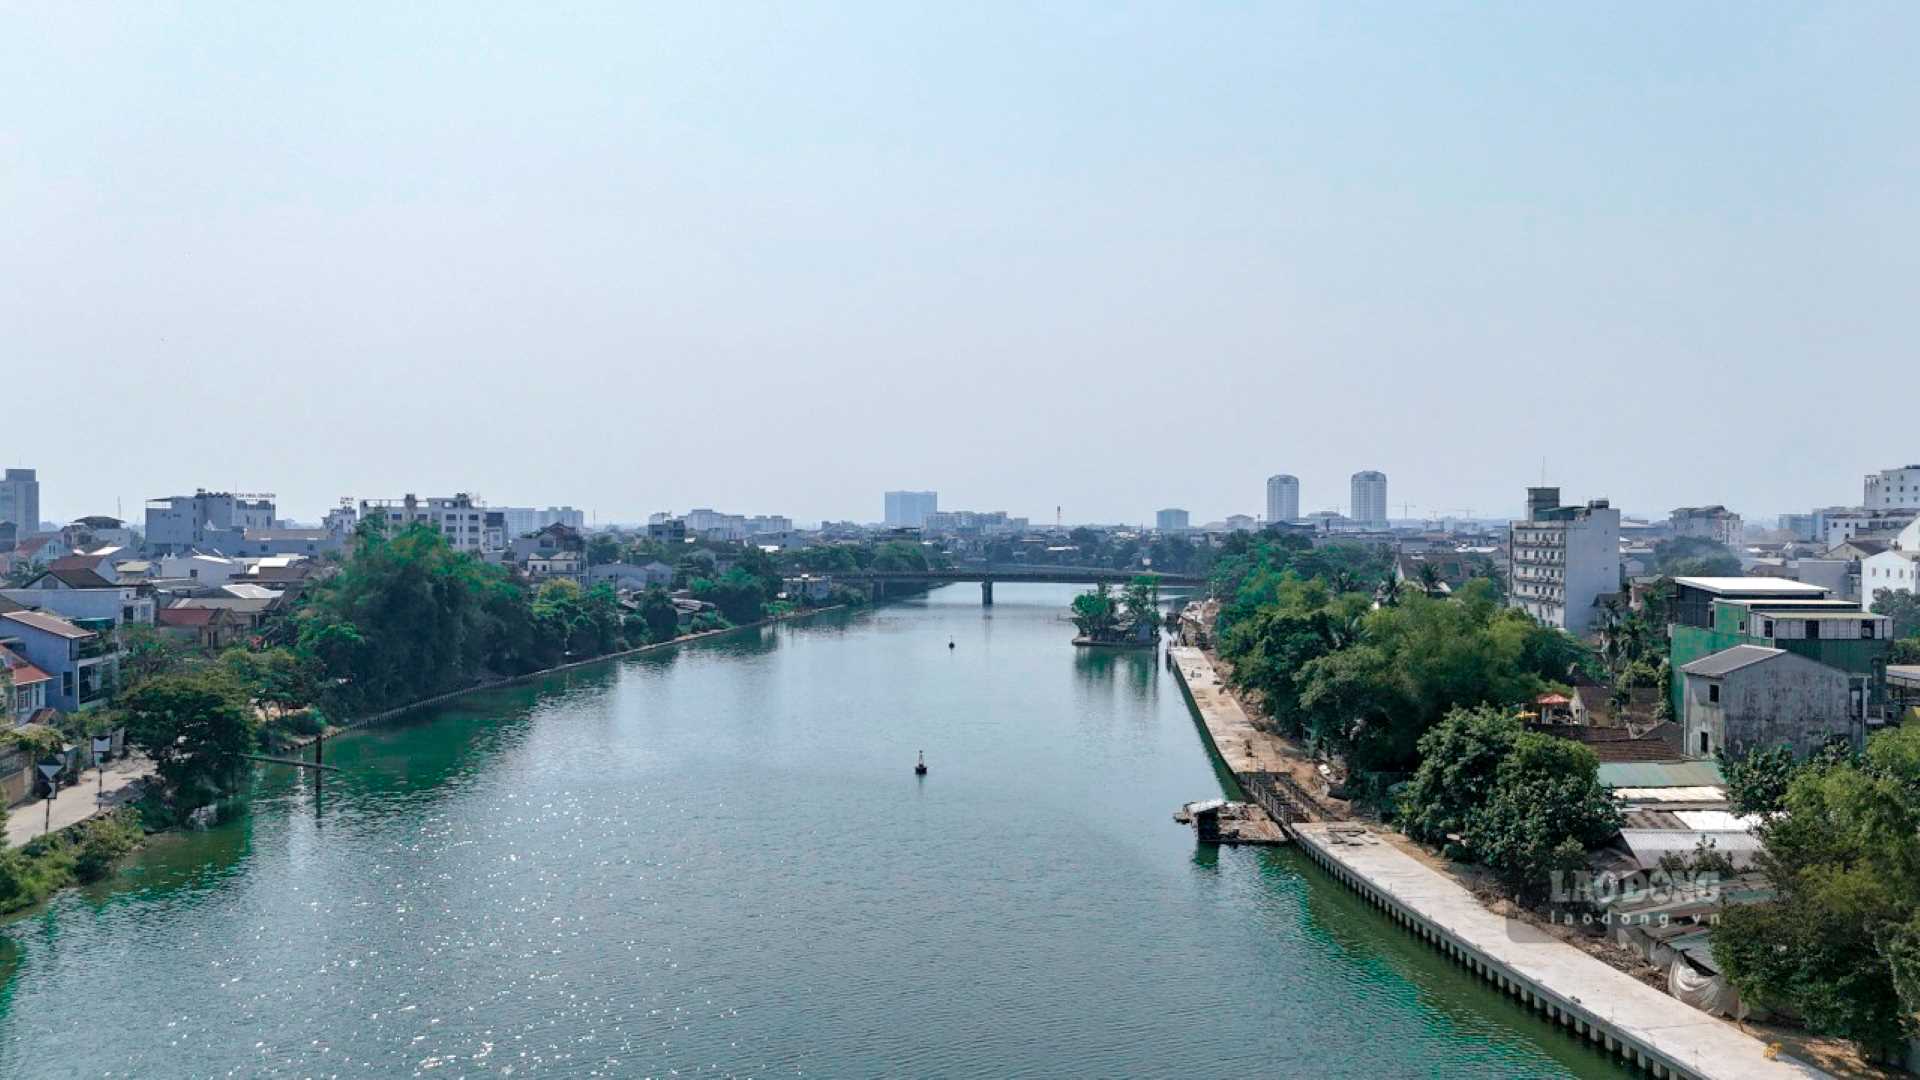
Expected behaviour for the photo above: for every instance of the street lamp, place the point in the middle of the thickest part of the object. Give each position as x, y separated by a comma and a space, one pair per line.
50, 770
102, 746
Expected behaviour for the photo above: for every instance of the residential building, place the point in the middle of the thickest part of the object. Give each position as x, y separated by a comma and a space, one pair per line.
1840, 526
909, 509
209, 570
808, 588
82, 662
1283, 498
1800, 526
467, 525
1885, 490
1715, 523
208, 629
342, 519
1171, 520
205, 520
1751, 697
1564, 559
99, 530
976, 522
667, 531
83, 595
521, 520
1896, 568
23, 691
631, 578
710, 524
312, 542
1369, 499
20, 499
1713, 614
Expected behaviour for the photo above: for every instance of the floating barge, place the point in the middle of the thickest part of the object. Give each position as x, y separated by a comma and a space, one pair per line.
1217, 821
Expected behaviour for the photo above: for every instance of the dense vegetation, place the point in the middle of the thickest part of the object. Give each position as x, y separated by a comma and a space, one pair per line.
1840, 942
1694, 556
1361, 671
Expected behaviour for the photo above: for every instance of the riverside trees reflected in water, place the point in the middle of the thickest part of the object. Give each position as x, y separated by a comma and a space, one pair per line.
716, 858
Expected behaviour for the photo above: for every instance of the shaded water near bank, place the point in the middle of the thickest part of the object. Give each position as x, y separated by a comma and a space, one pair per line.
717, 859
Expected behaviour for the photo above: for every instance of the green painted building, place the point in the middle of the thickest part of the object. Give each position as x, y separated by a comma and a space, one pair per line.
1710, 614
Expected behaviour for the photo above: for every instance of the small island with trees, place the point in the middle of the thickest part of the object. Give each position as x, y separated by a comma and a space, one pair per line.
1131, 619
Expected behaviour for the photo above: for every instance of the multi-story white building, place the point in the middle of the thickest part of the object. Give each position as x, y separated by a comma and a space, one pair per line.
1840, 526
1369, 499
1283, 498
1171, 520
1564, 558
1715, 523
1896, 569
1893, 488
909, 509
207, 520
468, 525
521, 520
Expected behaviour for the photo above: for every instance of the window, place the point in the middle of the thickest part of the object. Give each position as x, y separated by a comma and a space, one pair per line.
1813, 630
1866, 629
1703, 744
1767, 628
1713, 695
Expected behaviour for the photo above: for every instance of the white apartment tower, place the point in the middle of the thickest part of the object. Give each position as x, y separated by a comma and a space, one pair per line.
1892, 489
1283, 498
1564, 559
1370, 499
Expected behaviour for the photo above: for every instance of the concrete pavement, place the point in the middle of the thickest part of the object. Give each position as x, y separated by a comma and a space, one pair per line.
78, 802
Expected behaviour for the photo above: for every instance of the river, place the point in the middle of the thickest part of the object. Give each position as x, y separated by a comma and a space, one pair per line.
716, 860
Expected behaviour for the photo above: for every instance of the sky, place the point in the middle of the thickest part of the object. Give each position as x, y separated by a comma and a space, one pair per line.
1109, 258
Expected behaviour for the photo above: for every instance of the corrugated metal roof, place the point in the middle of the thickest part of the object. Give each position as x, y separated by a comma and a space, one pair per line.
1727, 660
1750, 586
1660, 774
1670, 794
1649, 845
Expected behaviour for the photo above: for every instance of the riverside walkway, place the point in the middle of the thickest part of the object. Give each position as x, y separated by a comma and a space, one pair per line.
1656, 1032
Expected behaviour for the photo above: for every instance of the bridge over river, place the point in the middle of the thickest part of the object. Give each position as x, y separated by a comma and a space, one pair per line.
1017, 574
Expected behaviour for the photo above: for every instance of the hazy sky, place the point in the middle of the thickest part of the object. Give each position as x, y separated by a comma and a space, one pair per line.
776, 259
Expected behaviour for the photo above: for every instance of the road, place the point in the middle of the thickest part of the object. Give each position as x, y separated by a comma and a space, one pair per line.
79, 802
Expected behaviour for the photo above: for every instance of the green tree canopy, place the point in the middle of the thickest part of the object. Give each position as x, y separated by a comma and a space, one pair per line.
193, 727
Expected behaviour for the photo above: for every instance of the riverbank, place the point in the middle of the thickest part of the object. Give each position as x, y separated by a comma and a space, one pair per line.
1638, 1022
302, 742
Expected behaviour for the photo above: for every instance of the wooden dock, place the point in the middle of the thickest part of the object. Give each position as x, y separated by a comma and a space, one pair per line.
1217, 821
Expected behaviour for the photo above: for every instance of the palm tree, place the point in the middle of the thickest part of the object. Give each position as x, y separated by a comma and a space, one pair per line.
1430, 578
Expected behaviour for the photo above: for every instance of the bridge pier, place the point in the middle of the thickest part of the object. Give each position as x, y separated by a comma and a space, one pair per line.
986, 593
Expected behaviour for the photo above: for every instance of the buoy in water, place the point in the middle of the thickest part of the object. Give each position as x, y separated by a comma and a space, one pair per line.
949, 643
920, 767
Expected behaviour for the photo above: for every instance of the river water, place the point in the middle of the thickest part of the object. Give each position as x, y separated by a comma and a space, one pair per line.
717, 860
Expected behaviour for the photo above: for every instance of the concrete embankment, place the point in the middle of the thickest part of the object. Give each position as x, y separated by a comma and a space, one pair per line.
1608, 1007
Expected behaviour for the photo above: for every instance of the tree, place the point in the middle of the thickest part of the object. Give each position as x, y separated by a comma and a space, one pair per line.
603, 548
193, 727
661, 617
1141, 602
144, 653
1546, 809
1695, 556
1459, 766
1757, 781
739, 595
1903, 606
1095, 615
1837, 944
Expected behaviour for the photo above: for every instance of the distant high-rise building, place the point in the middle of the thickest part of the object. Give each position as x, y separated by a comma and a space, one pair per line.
211, 521
1283, 498
909, 509
1171, 520
20, 500
1369, 499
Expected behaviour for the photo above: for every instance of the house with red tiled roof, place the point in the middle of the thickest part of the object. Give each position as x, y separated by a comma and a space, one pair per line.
23, 688
207, 628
